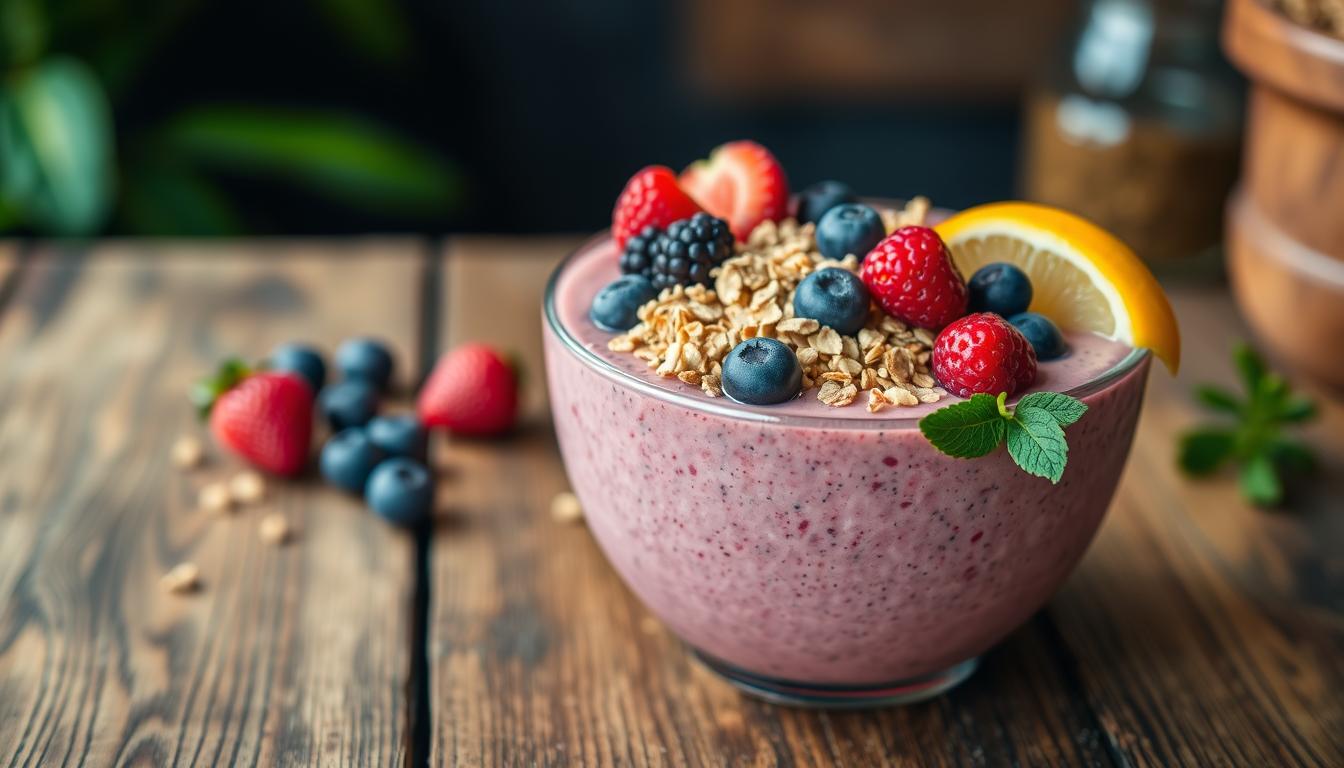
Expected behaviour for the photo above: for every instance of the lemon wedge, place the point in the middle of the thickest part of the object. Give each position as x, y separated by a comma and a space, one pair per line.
1083, 278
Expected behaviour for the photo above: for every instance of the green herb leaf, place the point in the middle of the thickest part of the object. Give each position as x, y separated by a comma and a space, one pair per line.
1036, 442
1065, 409
1297, 409
965, 430
1250, 366
1205, 450
1260, 482
1219, 399
1291, 454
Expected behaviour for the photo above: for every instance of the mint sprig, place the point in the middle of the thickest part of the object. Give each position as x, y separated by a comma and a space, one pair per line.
1034, 430
1254, 441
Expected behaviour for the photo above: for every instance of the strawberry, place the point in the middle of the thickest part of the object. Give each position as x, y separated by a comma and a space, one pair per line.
266, 417
912, 277
472, 391
651, 197
742, 183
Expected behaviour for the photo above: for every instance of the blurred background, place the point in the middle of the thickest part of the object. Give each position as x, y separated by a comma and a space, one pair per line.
202, 117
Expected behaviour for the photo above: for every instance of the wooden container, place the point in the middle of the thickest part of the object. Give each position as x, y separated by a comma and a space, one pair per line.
1285, 235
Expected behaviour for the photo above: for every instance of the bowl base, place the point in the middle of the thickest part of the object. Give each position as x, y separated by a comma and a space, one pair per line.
819, 696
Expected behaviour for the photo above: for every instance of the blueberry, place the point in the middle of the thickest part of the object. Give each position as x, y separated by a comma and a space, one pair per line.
367, 359
400, 490
1044, 336
834, 297
348, 458
398, 436
348, 404
849, 228
615, 306
1000, 288
816, 200
762, 371
303, 360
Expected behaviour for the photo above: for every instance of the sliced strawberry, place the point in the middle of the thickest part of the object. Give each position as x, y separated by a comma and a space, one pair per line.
740, 182
651, 197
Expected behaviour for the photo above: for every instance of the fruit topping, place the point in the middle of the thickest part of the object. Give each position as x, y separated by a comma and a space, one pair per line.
401, 491
1044, 337
849, 228
264, 417
1000, 288
817, 199
637, 258
348, 458
762, 371
651, 198
471, 391
301, 359
365, 359
983, 353
349, 403
401, 435
740, 182
834, 297
616, 307
911, 275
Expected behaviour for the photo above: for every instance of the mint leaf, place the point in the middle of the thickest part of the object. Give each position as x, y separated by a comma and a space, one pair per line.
1204, 450
1250, 366
1218, 399
1260, 482
1291, 455
965, 430
1297, 409
1036, 442
1065, 409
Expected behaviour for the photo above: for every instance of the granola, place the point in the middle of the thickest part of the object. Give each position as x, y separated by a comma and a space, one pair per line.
687, 332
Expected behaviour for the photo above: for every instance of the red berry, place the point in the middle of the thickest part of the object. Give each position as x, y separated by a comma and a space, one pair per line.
650, 197
472, 391
911, 275
983, 353
741, 183
267, 419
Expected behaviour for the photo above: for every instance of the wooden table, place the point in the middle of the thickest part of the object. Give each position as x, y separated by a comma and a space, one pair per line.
1197, 631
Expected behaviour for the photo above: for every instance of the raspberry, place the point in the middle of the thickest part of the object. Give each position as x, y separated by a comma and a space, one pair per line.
983, 353
912, 277
651, 197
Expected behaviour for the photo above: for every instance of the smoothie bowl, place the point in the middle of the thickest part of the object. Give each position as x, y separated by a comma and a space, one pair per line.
821, 550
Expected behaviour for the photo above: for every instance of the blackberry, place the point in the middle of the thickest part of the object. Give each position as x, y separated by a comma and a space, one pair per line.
688, 250
637, 258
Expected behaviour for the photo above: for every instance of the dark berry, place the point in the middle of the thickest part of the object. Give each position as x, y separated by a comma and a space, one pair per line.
348, 458
637, 259
1044, 335
849, 228
816, 200
366, 359
616, 307
834, 297
401, 435
301, 359
999, 288
348, 404
400, 491
762, 371
686, 252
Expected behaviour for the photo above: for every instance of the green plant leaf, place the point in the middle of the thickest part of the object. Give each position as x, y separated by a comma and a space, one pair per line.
56, 147
1036, 442
340, 157
1260, 482
967, 429
162, 199
374, 27
1251, 367
1291, 454
1065, 409
1203, 451
1297, 409
23, 32
1219, 399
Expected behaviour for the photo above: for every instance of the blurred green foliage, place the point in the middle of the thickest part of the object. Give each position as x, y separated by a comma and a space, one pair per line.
62, 171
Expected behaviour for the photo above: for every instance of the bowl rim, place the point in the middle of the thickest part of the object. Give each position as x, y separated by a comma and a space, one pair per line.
726, 408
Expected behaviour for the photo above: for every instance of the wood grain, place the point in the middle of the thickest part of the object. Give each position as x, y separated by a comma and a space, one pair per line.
293, 655
539, 655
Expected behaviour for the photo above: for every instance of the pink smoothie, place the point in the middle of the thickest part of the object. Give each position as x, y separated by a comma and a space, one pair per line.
814, 544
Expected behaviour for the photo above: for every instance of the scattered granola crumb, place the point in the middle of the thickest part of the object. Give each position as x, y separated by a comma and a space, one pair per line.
215, 497
565, 508
275, 529
247, 488
188, 453
182, 578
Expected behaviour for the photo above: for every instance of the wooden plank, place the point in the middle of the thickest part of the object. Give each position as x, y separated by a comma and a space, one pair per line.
540, 655
1208, 632
298, 654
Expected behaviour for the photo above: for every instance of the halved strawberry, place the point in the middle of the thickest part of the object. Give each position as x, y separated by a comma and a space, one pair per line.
651, 197
742, 183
